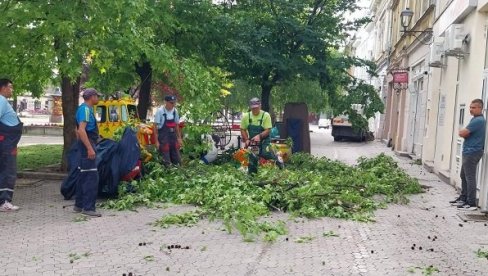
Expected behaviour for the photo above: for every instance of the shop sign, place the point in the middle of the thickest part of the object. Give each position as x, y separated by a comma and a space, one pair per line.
400, 77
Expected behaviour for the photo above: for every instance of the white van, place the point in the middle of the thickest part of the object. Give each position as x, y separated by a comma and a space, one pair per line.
324, 123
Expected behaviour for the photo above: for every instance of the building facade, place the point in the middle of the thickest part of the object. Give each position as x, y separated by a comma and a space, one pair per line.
461, 27
443, 51
381, 13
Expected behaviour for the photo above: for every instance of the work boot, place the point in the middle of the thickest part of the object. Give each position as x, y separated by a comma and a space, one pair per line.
91, 213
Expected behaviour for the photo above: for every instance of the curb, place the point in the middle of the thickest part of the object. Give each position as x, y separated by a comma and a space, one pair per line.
41, 175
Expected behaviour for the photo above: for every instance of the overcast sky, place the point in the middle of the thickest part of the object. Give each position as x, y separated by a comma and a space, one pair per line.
364, 4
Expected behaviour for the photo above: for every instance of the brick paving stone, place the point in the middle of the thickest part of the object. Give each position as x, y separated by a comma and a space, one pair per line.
43, 234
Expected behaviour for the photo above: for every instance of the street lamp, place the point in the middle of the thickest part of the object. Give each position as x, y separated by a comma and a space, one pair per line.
406, 18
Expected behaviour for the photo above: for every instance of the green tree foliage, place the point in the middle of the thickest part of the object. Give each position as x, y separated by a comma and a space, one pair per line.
48, 41
279, 42
110, 43
306, 91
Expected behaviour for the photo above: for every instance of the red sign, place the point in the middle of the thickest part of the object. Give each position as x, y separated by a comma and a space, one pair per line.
400, 77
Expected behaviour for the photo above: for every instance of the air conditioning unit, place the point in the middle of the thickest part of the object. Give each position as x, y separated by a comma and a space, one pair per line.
454, 37
436, 52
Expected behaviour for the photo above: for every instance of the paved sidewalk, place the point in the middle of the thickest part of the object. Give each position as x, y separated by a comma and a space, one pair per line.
39, 239
28, 140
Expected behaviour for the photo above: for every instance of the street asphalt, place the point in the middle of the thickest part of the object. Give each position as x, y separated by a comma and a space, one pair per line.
43, 238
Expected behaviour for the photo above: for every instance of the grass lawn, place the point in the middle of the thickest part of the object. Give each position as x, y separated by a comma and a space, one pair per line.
37, 156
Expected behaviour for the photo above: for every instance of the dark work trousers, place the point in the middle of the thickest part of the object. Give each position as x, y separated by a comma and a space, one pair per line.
8, 175
468, 177
87, 184
168, 146
9, 138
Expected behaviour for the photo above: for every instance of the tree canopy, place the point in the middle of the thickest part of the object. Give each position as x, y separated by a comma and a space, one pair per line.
286, 49
279, 42
107, 43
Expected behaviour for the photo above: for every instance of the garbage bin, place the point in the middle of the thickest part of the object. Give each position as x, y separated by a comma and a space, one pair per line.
280, 125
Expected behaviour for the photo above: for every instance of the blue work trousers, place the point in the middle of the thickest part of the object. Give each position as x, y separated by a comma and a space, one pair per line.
87, 184
8, 174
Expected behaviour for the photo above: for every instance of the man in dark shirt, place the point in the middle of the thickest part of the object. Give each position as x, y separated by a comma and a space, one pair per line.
473, 147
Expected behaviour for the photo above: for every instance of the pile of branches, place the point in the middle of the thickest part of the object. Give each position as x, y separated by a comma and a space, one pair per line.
309, 187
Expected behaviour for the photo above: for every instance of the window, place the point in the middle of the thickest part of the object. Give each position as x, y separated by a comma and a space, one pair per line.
114, 113
37, 104
132, 111
462, 108
128, 112
125, 113
101, 114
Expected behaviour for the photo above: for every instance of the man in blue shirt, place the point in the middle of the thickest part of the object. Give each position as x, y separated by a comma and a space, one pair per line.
167, 131
87, 133
473, 148
10, 133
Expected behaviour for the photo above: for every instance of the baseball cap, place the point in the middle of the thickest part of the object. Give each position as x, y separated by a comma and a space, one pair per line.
87, 93
170, 98
254, 102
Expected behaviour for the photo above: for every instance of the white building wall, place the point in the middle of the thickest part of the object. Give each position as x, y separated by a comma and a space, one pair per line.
452, 87
470, 83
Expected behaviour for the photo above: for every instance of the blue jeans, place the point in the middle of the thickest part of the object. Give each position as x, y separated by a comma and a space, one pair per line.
468, 177
87, 184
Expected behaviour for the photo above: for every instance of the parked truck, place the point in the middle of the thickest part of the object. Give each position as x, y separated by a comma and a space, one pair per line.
343, 129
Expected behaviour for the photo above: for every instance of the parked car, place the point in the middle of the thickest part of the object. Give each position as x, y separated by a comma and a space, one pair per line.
324, 123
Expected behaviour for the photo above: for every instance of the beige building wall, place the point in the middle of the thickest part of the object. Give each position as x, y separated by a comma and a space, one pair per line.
410, 53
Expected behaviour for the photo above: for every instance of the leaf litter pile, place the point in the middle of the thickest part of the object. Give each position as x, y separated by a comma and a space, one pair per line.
308, 187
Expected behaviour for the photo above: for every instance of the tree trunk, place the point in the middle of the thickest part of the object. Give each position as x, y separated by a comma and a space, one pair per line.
145, 73
266, 97
70, 100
